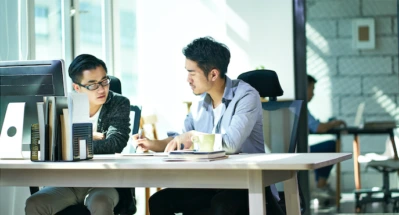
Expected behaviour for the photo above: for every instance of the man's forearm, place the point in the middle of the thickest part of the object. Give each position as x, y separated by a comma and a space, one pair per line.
160, 145
323, 127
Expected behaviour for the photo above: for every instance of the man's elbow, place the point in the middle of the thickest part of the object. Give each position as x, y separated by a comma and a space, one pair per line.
121, 146
231, 150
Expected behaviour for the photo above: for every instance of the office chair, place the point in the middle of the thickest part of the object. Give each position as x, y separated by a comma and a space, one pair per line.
135, 121
128, 194
385, 167
115, 84
284, 116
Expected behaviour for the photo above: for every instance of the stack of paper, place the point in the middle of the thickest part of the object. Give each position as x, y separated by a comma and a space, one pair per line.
185, 155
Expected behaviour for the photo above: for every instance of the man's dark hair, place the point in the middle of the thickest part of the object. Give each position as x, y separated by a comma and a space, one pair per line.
81, 63
208, 54
311, 79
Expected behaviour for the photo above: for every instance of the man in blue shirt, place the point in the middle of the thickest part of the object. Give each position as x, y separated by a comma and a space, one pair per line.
323, 191
232, 110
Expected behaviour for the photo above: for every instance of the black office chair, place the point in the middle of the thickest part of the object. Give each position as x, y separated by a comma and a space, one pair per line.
127, 200
135, 120
365, 196
284, 116
115, 84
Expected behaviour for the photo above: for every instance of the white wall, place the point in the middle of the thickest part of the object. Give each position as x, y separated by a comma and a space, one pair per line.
257, 33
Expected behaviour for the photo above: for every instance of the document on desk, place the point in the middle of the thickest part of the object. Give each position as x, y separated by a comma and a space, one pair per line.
159, 154
171, 159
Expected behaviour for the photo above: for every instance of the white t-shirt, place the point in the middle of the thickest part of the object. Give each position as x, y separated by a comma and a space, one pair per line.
94, 119
217, 115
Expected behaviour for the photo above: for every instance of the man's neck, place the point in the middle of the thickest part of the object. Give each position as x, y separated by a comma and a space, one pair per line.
94, 109
216, 93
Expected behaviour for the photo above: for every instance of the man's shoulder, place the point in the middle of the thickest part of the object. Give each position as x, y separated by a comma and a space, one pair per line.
116, 105
117, 98
243, 89
115, 101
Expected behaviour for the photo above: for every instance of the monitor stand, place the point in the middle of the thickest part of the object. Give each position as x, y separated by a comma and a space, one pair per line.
12, 132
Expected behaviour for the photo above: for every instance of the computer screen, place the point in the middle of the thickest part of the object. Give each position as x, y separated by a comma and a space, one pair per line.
29, 82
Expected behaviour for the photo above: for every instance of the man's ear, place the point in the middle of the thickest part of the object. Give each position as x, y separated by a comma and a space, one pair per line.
76, 87
214, 74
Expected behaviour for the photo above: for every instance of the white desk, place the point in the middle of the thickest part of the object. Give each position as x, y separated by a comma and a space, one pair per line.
252, 172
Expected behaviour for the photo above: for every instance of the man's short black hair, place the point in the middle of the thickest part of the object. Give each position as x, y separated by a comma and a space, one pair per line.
311, 79
208, 54
81, 63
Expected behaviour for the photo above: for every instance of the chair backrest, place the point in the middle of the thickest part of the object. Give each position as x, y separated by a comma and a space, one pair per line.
115, 84
278, 118
265, 82
135, 115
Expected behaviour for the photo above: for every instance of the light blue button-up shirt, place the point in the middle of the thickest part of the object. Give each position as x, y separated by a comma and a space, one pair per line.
241, 122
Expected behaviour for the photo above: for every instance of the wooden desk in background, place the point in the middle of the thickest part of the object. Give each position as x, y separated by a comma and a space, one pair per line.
249, 171
356, 151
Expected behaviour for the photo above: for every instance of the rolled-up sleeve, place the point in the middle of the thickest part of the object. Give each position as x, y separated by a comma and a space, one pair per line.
188, 123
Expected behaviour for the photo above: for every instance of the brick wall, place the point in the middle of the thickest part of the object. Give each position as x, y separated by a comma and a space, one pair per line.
348, 76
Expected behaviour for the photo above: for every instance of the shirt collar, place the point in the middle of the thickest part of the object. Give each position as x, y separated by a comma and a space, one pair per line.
227, 95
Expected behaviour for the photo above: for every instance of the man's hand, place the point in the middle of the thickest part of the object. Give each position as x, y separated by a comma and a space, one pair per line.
98, 136
323, 127
142, 144
337, 123
180, 142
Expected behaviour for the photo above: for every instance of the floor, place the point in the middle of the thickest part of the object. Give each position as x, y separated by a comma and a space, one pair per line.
348, 207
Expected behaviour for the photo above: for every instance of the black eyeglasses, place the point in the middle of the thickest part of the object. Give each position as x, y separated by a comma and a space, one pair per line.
95, 86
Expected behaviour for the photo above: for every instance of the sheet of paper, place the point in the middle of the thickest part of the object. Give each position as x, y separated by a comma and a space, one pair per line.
161, 154
194, 160
78, 104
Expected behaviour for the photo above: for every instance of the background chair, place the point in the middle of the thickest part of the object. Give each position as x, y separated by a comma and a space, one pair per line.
115, 84
129, 193
148, 126
279, 119
384, 194
135, 116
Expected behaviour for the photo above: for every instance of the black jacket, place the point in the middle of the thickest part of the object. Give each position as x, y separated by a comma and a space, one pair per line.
114, 122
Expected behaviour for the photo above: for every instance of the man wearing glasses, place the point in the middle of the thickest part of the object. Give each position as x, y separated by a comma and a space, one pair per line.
109, 113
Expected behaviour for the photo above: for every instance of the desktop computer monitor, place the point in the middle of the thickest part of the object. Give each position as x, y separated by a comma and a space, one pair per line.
29, 82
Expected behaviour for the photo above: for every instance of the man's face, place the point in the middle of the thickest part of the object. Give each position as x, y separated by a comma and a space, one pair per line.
196, 78
310, 91
94, 76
